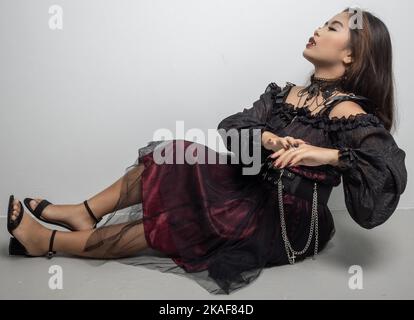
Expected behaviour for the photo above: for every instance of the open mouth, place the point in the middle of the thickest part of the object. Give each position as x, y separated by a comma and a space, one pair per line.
312, 41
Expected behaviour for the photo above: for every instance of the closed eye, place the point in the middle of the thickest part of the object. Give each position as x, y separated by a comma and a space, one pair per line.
330, 28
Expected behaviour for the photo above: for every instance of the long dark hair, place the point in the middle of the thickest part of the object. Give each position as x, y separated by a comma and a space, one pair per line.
371, 72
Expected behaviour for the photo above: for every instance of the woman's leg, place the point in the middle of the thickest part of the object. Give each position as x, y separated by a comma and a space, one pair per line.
124, 192
108, 242
114, 241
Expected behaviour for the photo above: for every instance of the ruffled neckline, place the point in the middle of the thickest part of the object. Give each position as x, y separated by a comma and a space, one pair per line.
287, 112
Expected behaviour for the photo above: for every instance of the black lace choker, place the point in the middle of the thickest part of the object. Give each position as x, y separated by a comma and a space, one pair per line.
327, 87
323, 85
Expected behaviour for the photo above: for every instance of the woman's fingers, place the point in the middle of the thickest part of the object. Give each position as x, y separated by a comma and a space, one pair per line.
289, 157
295, 142
295, 160
285, 158
291, 141
277, 153
283, 154
285, 143
301, 141
280, 154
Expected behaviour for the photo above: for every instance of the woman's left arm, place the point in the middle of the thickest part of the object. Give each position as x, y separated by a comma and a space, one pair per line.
373, 172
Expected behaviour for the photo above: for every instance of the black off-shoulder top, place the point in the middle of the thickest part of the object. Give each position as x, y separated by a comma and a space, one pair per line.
370, 162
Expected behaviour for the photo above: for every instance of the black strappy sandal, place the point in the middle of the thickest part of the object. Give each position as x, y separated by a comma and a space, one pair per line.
15, 247
44, 203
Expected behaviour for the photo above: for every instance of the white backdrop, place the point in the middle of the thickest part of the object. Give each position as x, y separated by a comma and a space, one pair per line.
77, 103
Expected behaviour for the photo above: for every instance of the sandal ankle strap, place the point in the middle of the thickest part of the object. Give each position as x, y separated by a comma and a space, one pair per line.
50, 253
90, 212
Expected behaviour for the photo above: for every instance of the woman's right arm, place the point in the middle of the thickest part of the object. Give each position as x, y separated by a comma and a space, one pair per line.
253, 121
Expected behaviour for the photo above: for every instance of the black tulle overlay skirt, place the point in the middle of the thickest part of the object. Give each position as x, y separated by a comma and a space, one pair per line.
204, 220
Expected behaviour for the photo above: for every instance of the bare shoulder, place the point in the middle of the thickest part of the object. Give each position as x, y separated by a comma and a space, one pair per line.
346, 109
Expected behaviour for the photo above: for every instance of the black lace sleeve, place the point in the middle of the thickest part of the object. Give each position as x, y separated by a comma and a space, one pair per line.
372, 166
242, 131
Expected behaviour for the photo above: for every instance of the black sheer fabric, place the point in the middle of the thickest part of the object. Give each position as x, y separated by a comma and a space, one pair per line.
252, 121
209, 227
373, 172
220, 227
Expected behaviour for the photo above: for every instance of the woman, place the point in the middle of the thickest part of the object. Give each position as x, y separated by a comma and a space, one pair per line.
222, 227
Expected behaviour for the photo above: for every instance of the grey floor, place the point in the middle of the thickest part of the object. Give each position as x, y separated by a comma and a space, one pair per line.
385, 255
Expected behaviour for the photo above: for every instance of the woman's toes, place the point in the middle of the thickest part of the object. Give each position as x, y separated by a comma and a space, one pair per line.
73, 215
16, 210
46, 214
30, 233
33, 203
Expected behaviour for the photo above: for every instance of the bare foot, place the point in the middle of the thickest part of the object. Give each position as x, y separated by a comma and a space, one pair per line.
75, 216
31, 234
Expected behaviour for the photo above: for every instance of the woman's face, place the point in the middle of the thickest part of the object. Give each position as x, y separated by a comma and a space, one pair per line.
331, 41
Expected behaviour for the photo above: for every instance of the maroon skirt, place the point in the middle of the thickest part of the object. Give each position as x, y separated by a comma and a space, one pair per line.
211, 219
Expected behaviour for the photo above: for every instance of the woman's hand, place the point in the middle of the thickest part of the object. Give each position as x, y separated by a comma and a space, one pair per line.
275, 143
304, 154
